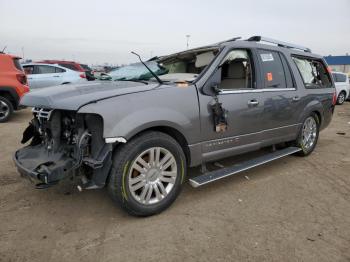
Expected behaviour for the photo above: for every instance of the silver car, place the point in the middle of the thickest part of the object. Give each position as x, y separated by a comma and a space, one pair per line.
44, 75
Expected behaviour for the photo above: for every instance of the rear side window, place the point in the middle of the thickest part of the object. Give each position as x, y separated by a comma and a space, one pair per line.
69, 66
17, 64
339, 77
44, 69
313, 72
59, 70
275, 69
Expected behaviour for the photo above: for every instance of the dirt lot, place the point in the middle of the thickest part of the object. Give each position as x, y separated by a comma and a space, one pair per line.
294, 209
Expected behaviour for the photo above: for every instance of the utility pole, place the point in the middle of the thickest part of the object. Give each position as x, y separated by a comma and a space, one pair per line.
188, 39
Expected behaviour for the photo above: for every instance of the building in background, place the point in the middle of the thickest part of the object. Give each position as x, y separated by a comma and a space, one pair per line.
339, 63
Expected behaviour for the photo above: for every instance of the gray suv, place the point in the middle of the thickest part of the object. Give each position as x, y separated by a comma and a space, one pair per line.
138, 134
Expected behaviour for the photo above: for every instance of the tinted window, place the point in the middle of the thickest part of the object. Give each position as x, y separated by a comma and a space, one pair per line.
29, 69
339, 77
313, 72
69, 66
43, 69
59, 70
272, 69
85, 67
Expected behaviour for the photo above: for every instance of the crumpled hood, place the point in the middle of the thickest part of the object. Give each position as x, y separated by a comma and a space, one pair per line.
73, 96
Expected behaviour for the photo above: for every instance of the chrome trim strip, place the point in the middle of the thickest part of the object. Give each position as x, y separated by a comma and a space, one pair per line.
262, 90
234, 137
111, 140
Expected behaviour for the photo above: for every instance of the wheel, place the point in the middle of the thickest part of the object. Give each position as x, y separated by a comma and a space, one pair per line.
341, 98
6, 109
308, 135
147, 173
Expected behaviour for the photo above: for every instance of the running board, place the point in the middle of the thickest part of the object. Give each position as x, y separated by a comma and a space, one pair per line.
229, 171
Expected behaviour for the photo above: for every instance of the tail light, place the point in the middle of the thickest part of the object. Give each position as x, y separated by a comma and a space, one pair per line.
82, 75
334, 101
22, 78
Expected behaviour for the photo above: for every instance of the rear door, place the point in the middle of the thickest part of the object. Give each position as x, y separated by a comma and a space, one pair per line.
280, 97
48, 76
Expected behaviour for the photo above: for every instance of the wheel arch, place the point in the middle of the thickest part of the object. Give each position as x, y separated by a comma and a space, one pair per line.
171, 131
10, 94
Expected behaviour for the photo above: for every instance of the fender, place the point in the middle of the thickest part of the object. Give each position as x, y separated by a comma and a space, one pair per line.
127, 115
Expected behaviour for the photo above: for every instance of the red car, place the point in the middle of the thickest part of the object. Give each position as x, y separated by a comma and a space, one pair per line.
13, 85
73, 66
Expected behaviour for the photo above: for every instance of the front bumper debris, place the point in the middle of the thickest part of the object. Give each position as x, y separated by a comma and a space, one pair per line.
42, 166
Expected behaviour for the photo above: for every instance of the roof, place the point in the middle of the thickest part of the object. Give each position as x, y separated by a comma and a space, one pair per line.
338, 60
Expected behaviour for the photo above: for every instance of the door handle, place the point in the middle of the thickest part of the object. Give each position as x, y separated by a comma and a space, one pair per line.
253, 102
296, 98
56, 76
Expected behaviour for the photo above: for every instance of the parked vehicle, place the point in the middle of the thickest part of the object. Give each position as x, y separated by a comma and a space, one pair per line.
342, 86
138, 136
73, 66
45, 75
13, 85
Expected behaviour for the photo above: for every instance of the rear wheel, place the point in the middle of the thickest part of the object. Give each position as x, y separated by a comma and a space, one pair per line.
147, 174
6, 109
341, 98
308, 135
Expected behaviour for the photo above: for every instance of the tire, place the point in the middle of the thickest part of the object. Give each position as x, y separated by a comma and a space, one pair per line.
308, 147
140, 202
6, 109
341, 98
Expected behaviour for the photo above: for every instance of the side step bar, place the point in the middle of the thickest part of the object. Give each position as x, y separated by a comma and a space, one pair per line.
229, 171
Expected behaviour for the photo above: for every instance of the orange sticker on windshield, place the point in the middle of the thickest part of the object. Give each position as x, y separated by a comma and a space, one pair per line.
269, 77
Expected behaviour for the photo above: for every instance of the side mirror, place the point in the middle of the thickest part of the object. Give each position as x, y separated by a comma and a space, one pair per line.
211, 87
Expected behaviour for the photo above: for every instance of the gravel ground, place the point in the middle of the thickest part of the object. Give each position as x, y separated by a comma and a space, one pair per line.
293, 209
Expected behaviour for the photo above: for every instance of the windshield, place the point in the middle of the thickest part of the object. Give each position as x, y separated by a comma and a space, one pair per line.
137, 71
180, 67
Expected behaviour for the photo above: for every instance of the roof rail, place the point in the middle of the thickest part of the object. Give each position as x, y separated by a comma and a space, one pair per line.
278, 43
228, 40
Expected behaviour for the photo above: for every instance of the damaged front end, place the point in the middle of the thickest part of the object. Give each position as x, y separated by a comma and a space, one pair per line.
62, 144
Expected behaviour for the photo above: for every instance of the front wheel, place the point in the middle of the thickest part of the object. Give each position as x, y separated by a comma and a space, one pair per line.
147, 174
308, 135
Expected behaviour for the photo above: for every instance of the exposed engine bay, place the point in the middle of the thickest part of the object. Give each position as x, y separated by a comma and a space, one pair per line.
62, 144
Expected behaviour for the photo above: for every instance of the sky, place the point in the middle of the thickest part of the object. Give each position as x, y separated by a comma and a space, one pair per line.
106, 31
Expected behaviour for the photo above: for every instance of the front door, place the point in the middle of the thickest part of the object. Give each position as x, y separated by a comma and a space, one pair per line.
239, 94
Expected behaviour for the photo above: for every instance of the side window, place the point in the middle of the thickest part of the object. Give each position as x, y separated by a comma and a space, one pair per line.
273, 69
313, 72
59, 70
29, 70
236, 71
43, 69
340, 78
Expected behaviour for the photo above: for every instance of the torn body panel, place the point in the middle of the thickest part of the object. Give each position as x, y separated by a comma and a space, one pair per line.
62, 144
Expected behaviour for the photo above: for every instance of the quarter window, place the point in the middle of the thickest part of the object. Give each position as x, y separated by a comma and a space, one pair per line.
313, 72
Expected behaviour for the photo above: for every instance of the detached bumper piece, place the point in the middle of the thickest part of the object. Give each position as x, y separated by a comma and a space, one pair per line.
43, 167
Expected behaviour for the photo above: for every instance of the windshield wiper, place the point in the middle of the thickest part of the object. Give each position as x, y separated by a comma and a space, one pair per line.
153, 74
133, 80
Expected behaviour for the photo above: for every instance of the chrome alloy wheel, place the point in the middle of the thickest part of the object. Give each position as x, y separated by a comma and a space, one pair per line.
341, 98
152, 175
4, 110
309, 132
